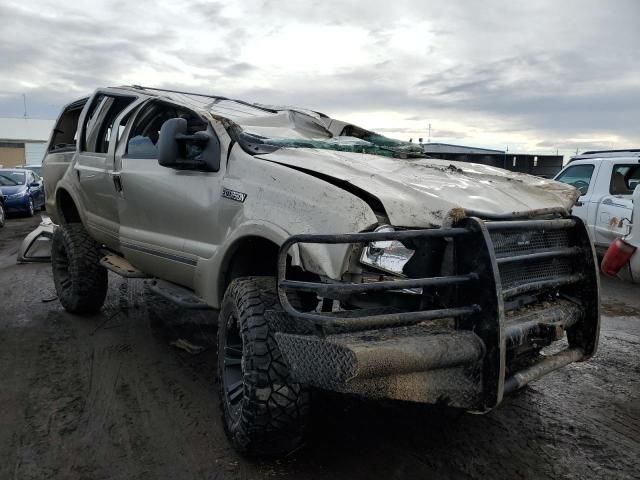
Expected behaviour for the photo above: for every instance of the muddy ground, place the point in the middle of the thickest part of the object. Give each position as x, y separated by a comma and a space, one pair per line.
108, 397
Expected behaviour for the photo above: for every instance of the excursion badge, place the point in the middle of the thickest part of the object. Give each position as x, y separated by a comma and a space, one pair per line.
233, 195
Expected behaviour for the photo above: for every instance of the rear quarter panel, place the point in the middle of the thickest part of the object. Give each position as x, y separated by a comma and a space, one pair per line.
55, 166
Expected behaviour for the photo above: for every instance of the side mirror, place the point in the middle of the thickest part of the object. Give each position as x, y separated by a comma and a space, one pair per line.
34, 184
176, 149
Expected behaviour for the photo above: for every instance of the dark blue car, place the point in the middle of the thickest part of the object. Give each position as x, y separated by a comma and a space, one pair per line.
22, 190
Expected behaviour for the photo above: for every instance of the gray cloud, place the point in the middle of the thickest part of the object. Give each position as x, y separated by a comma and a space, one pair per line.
562, 93
546, 73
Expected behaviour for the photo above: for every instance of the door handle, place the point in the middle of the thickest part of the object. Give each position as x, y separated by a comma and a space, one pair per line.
117, 181
578, 204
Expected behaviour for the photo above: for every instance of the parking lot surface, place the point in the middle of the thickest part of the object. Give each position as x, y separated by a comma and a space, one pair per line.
110, 397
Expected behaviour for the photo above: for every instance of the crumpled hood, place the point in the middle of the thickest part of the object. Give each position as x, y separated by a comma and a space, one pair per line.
12, 189
421, 192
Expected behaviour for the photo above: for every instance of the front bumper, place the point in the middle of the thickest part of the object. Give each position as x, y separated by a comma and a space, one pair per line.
514, 287
19, 204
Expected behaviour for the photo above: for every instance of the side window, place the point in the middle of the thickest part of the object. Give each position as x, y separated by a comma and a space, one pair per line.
65, 133
624, 179
578, 176
98, 125
633, 179
145, 132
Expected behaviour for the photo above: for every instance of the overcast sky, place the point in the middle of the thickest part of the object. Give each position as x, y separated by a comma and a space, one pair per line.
531, 75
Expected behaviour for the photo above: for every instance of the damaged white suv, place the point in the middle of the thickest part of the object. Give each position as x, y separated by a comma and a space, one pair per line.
334, 258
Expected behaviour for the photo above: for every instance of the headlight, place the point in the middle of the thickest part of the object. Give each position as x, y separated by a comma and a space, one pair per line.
16, 195
387, 255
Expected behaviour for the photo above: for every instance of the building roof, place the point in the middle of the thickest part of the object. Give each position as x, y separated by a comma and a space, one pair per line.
448, 148
25, 129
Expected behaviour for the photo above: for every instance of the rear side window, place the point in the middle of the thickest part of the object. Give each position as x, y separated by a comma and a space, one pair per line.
624, 179
65, 133
98, 126
578, 176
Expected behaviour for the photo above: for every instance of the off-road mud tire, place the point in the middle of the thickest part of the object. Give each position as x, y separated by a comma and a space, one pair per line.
81, 282
272, 411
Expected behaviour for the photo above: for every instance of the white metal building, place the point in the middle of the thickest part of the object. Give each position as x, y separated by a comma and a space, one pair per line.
23, 141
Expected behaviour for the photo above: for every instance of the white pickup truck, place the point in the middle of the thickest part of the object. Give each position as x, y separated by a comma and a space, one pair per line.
608, 182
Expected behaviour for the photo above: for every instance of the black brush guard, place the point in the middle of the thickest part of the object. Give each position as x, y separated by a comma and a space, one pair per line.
502, 269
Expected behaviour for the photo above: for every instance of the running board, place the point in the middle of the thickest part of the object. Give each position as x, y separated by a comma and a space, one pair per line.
181, 296
121, 266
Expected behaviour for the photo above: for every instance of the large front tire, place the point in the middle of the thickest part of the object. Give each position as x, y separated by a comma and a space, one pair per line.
81, 282
264, 411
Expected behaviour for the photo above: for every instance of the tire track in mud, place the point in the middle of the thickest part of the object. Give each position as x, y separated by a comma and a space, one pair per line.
142, 416
56, 379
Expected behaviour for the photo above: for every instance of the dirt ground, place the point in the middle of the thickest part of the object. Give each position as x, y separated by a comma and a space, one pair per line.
109, 397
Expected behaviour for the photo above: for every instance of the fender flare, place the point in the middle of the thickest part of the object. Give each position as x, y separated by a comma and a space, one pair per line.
209, 272
67, 189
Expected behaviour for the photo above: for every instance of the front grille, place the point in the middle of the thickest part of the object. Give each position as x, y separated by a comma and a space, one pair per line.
514, 243
515, 274
509, 243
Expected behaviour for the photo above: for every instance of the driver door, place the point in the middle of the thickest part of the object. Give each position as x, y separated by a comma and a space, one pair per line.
168, 216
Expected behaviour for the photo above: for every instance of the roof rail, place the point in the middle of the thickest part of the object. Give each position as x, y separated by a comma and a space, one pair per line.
626, 150
140, 87
602, 154
214, 97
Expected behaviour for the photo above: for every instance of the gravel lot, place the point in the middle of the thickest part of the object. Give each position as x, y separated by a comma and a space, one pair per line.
108, 397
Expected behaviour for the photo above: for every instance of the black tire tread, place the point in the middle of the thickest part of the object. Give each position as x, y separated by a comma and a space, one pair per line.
89, 279
274, 409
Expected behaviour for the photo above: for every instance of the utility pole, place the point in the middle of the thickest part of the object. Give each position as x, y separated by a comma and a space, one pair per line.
429, 134
24, 103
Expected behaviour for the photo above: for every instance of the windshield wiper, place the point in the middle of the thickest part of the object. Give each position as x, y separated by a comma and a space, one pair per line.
11, 180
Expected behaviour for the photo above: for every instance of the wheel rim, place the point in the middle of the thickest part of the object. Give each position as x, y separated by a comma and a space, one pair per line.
31, 206
232, 374
61, 266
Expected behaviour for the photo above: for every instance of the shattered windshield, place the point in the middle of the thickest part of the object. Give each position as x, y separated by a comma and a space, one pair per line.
372, 144
261, 129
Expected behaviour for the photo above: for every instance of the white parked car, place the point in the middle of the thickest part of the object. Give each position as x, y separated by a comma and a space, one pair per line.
608, 182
